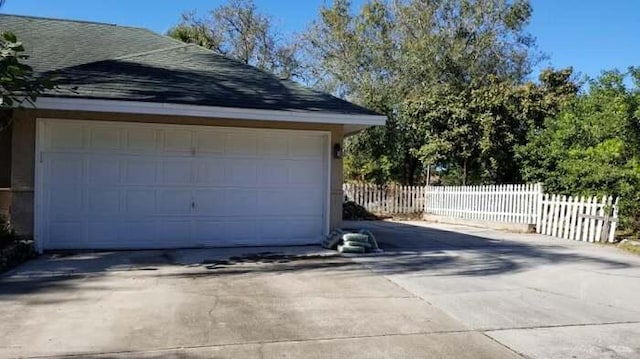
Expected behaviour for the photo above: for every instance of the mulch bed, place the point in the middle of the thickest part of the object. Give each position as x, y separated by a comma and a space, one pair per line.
352, 211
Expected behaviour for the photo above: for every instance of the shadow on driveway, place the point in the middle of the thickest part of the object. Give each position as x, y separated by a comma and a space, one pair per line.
408, 248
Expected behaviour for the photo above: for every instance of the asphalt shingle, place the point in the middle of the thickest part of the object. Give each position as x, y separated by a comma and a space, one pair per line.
104, 61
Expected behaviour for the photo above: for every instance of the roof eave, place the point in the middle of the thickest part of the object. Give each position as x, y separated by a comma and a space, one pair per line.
355, 121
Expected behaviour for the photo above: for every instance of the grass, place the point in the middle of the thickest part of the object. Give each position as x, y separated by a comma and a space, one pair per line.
630, 247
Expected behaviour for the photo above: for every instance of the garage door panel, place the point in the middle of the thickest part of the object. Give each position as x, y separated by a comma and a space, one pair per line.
67, 234
210, 202
140, 234
65, 136
274, 229
140, 201
209, 143
305, 202
140, 140
291, 202
139, 170
103, 201
241, 232
105, 138
274, 146
174, 233
275, 201
104, 170
306, 174
66, 201
65, 169
176, 171
305, 228
160, 186
274, 173
241, 202
209, 172
177, 141
237, 144
241, 173
207, 231
307, 147
299, 230
174, 201
104, 233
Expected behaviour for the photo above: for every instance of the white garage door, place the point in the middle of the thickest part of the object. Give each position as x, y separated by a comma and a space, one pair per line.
132, 185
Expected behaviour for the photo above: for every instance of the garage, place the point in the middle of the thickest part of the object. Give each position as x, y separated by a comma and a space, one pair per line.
126, 185
146, 143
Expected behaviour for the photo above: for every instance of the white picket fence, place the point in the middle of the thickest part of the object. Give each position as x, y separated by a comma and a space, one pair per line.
578, 218
388, 199
583, 219
503, 203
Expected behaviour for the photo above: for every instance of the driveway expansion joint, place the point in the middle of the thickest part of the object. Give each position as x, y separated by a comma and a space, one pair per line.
263, 342
485, 330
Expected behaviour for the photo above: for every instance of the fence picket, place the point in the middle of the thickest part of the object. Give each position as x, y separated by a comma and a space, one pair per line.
552, 214
600, 221
540, 206
592, 221
566, 218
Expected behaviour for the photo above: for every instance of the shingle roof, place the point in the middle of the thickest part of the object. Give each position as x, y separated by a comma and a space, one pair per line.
103, 61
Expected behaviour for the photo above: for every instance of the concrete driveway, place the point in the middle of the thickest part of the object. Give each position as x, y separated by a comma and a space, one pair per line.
201, 304
539, 296
437, 292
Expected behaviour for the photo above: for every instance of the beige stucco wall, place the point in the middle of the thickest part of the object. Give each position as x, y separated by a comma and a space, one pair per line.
23, 154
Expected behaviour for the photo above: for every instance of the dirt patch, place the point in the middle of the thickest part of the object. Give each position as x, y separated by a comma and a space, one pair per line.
154, 258
352, 211
263, 258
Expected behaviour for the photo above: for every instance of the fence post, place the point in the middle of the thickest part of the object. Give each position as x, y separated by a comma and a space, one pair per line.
614, 217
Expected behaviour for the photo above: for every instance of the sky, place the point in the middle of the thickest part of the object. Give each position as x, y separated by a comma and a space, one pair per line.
590, 35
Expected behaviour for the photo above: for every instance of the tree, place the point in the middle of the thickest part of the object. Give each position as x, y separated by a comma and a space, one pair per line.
479, 129
239, 31
592, 146
18, 83
446, 73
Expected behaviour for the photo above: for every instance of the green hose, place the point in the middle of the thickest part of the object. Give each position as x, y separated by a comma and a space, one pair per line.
350, 249
359, 242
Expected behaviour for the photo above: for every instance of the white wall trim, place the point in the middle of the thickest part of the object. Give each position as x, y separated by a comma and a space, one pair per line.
149, 108
38, 200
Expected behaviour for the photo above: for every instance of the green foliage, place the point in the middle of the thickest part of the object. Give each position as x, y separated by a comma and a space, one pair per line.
239, 31
592, 146
6, 234
18, 83
193, 31
450, 76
